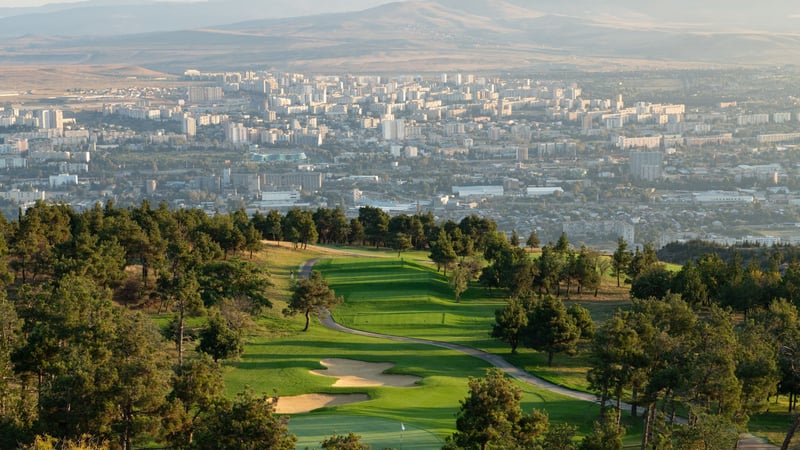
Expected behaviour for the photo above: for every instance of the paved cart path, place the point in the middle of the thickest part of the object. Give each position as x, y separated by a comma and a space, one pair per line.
747, 441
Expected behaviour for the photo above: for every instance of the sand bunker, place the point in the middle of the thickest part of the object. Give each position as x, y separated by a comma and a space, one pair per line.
309, 402
351, 373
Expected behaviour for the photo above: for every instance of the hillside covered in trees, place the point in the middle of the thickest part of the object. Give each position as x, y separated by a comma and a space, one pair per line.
82, 360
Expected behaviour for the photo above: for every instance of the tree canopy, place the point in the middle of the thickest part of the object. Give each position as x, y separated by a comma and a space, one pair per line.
491, 417
309, 295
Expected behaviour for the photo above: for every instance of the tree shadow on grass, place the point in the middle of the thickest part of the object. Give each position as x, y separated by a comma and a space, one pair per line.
378, 431
380, 346
429, 363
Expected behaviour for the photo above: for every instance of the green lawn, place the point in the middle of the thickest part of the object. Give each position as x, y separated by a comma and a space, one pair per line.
400, 296
377, 432
281, 365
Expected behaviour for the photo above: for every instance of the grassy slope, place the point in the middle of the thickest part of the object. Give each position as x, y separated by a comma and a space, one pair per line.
284, 364
377, 432
278, 357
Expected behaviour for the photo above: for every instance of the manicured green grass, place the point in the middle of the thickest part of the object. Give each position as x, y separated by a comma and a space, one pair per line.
282, 365
408, 299
381, 432
278, 356
378, 433
419, 256
567, 371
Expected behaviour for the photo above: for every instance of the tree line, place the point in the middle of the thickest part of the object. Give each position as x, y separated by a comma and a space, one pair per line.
681, 252
374, 227
711, 280
558, 269
490, 416
666, 355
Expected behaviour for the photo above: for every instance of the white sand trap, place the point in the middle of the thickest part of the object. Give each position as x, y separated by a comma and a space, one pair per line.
309, 402
351, 373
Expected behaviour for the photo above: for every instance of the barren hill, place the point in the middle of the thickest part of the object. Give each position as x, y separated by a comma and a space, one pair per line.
435, 35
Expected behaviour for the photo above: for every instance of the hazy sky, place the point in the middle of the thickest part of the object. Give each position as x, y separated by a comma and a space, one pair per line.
15, 3
20, 3
345, 4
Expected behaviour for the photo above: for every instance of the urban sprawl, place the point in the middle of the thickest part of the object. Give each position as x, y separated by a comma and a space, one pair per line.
533, 154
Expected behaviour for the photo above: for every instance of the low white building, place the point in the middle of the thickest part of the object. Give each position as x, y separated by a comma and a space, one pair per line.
278, 199
17, 196
13, 163
63, 179
478, 191
722, 197
543, 191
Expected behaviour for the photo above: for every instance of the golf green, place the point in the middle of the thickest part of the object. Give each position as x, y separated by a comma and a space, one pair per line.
378, 433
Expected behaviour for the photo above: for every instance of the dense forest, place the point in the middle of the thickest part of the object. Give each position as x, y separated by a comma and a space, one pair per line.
82, 364
681, 252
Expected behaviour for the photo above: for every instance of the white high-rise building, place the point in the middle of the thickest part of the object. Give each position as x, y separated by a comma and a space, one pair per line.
646, 165
394, 130
189, 126
236, 133
50, 119
202, 94
781, 117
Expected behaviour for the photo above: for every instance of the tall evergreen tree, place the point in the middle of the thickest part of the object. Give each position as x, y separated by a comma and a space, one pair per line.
510, 323
533, 240
620, 259
442, 252
311, 295
551, 329
219, 339
196, 388
376, 224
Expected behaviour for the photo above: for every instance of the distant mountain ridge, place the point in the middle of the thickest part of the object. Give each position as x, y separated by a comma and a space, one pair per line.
416, 35
118, 17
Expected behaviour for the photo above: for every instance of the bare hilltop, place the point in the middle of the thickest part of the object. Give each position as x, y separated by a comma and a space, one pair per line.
414, 35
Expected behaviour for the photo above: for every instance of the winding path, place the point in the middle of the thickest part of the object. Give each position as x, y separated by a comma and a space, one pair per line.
747, 441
